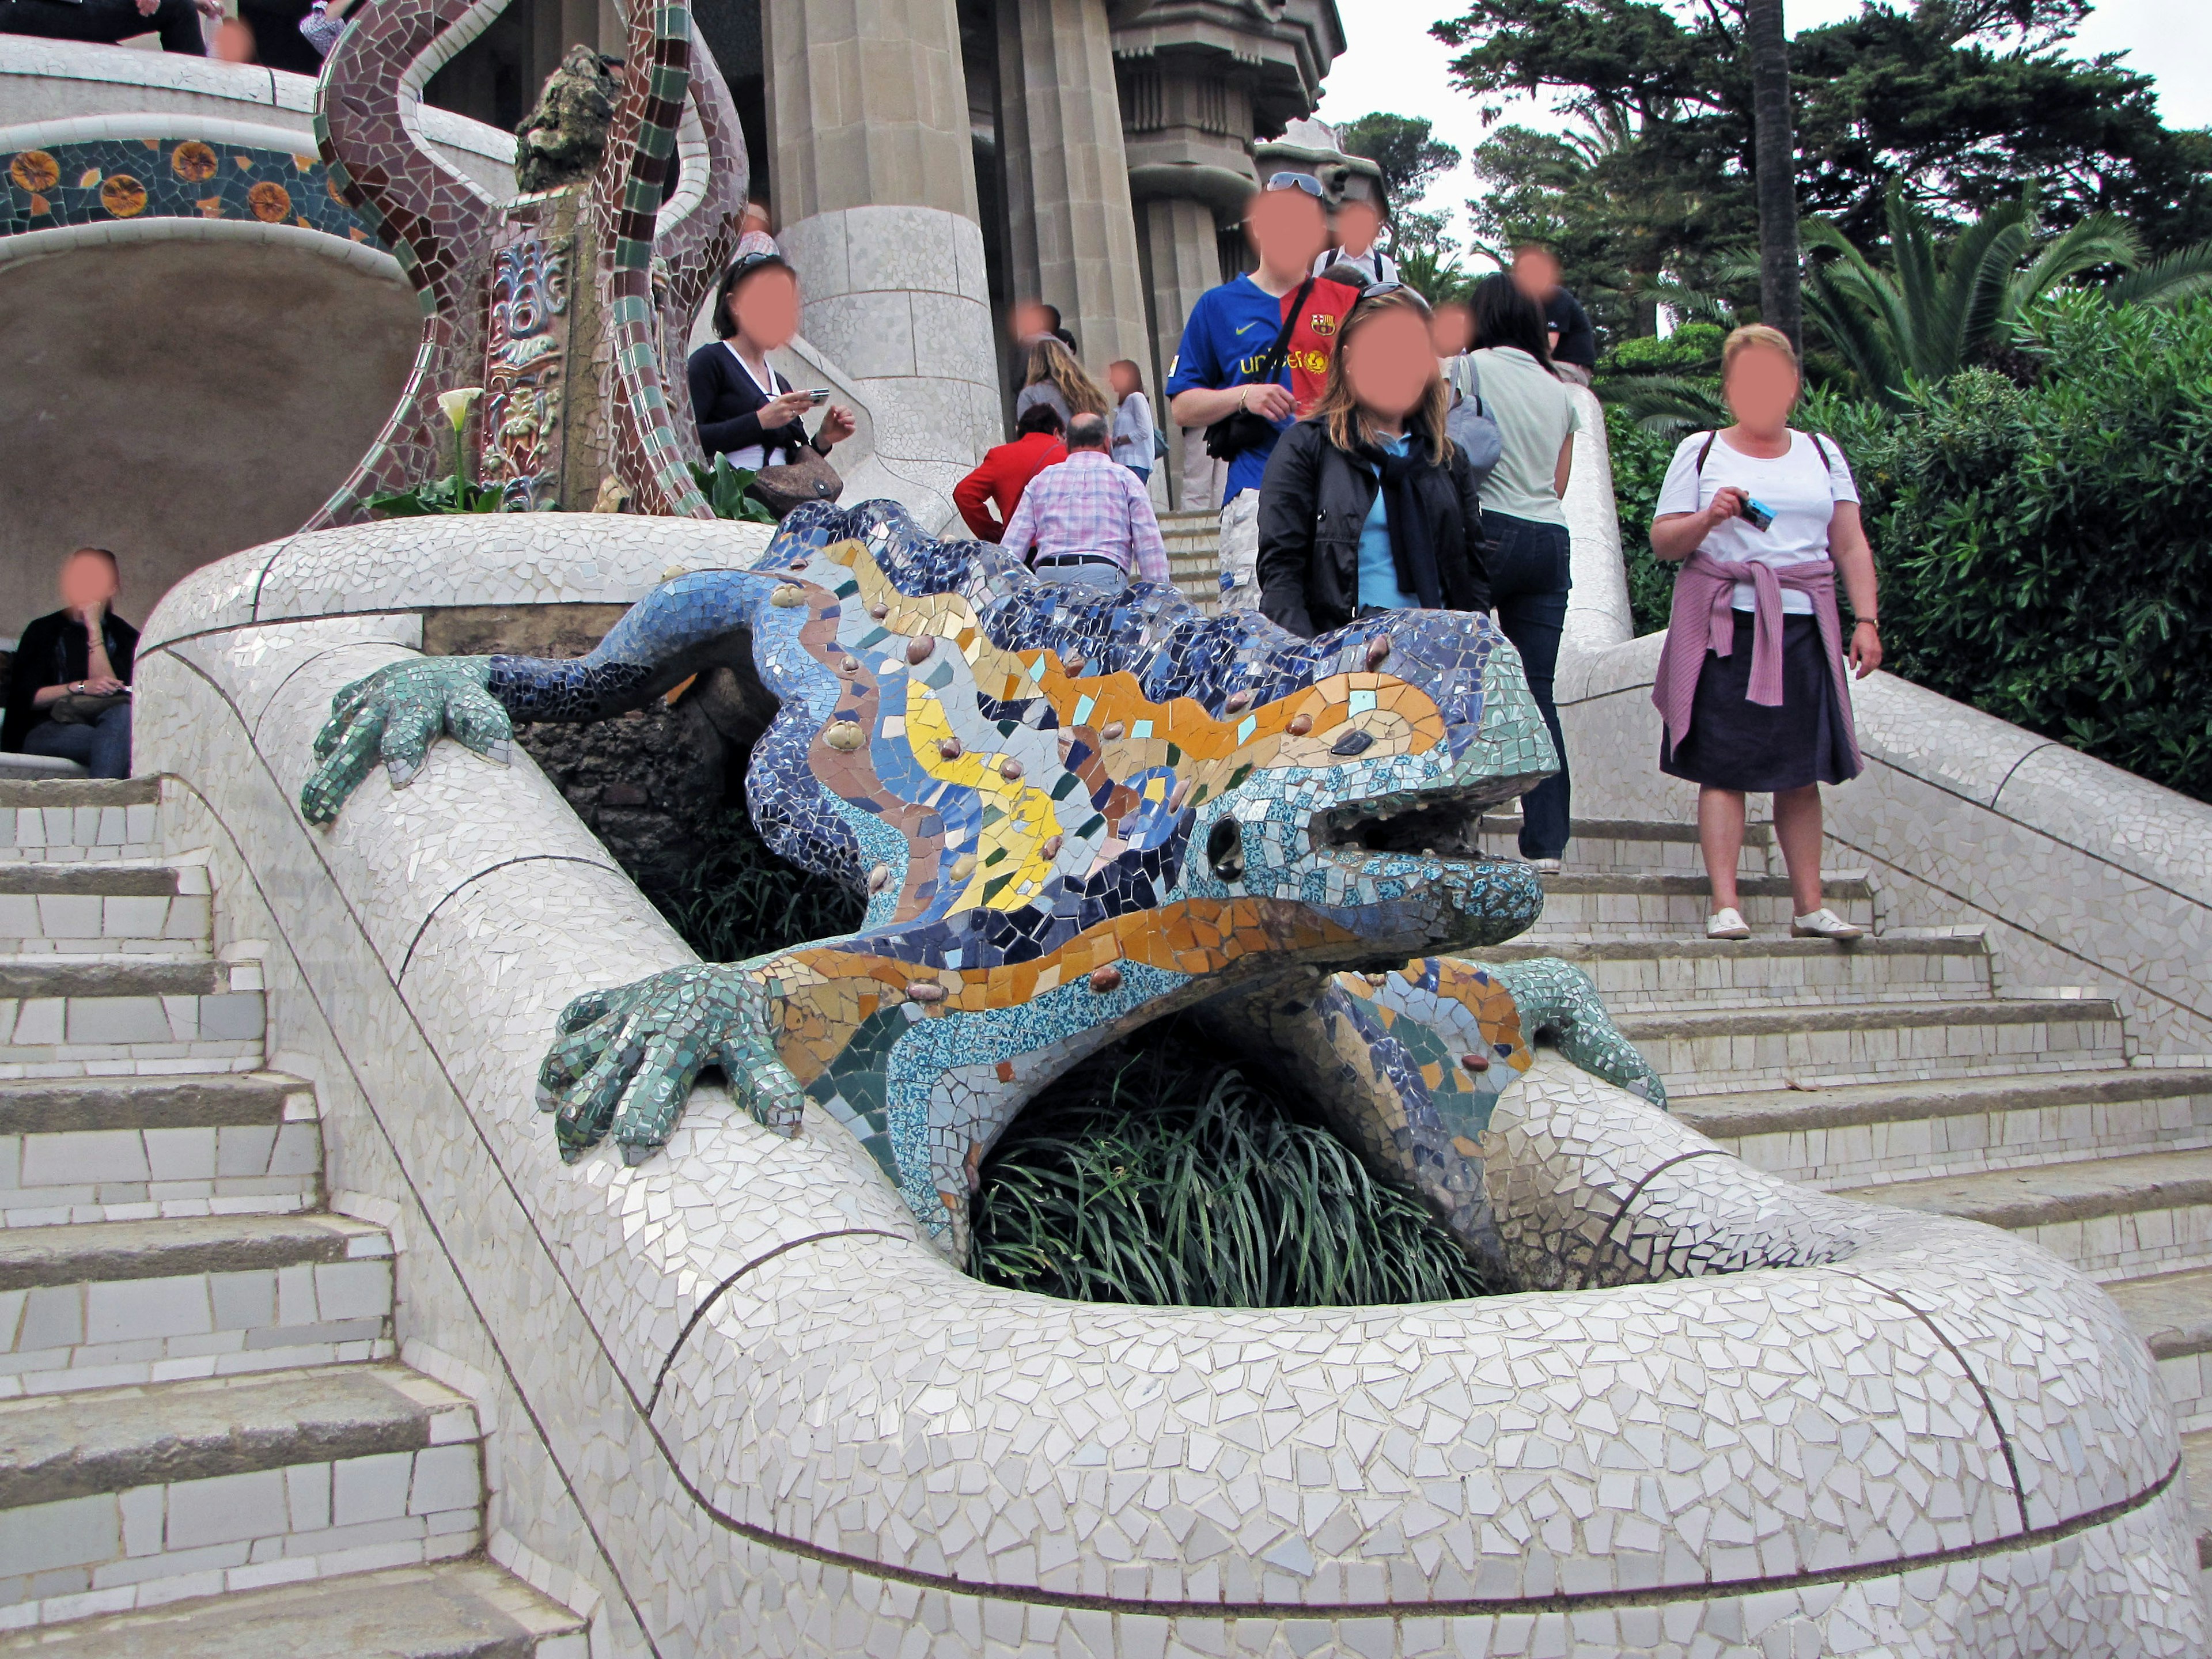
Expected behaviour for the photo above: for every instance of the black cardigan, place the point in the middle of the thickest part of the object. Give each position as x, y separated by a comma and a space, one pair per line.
727, 403
54, 651
1314, 502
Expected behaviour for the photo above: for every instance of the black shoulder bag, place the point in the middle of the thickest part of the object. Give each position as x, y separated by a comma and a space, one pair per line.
1241, 429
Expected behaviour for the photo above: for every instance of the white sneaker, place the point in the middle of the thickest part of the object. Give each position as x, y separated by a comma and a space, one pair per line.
1824, 923
1727, 924
1545, 867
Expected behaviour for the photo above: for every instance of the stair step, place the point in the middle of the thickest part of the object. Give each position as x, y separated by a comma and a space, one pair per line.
103, 906
2173, 1312
1862, 1133
128, 1149
117, 1498
1580, 904
2113, 1218
122, 1302
118, 1015
452, 1610
1728, 1050
1634, 844
1637, 975
78, 818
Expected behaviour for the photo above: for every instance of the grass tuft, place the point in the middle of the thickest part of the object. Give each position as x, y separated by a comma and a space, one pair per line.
742, 901
1163, 1178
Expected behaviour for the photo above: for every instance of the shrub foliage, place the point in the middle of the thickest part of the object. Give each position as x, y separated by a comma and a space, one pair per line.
1157, 1175
741, 901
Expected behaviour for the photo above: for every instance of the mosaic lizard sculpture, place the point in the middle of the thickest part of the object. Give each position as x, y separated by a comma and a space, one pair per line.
493, 295
1072, 813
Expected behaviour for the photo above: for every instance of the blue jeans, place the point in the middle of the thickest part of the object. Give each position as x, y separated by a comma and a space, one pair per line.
1143, 473
103, 749
1529, 576
1101, 574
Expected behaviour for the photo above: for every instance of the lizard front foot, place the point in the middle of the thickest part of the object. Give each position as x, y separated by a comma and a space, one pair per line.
627, 1059
393, 715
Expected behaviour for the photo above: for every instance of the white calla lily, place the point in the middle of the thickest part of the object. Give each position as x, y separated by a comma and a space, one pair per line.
455, 404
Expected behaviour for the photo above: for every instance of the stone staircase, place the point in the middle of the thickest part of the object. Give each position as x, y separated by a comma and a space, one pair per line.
1906, 1069
207, 1445
1194, 544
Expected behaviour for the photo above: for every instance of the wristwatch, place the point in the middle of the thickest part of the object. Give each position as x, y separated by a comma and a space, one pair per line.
78, 690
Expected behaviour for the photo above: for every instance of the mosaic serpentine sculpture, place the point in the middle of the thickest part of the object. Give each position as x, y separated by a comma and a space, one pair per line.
1071, 813
582, 394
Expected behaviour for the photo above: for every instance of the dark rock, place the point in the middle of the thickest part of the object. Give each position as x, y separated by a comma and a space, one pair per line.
560, 142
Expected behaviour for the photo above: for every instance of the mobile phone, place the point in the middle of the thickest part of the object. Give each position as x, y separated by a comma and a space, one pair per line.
820, 394
1757, 513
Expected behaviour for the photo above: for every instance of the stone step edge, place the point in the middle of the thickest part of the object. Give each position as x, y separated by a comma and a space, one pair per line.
105, 1251
1692, 1026
17, 794
51, 978
151, 877
57, 1447
1658, 829
2146, 1300
1684, 883
1787, 1111
1631, 947
207, 1100
459, 1609
2134, 1183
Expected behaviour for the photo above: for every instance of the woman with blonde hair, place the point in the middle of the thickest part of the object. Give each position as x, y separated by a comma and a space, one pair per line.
1054, 377
1752, 682
1367, 505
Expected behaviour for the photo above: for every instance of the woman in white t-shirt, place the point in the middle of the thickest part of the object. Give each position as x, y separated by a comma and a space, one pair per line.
1528, 552
1751, 682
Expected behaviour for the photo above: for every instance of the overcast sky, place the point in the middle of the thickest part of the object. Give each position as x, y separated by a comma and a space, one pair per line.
1392, 63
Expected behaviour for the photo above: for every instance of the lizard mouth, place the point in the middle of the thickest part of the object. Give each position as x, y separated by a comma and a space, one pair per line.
1434, 826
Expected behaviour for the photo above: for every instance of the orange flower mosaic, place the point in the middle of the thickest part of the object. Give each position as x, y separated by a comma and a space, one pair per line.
34, 170
192, 161
123, 196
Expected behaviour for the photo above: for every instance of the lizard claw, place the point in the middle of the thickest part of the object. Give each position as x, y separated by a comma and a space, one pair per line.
626, 1059
393, 715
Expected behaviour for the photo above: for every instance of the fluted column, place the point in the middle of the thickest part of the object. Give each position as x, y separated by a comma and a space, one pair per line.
872, 172
1077, 174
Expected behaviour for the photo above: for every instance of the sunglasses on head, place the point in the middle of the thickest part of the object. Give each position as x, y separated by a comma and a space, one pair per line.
1304, 181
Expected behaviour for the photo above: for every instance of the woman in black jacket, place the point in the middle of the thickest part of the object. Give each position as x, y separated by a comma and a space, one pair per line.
1366, 505
744, 409
82, 650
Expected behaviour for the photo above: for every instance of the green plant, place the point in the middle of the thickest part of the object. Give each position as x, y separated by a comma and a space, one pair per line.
741, 901
723, 486
1948, 303
456, 493
1159, 1175
2045, 551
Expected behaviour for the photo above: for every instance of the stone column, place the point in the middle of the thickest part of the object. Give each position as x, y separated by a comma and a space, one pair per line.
1184, 256
873, 175
1077, 200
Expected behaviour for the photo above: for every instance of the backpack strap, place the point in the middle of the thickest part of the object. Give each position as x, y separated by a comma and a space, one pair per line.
1705, 449
1827, 461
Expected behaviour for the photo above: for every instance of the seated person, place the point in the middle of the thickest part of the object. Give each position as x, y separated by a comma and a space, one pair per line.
82, 650
108, 23
1088, 518
1006, 471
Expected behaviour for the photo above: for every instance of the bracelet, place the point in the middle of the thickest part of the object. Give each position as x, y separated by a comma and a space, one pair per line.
1869, 622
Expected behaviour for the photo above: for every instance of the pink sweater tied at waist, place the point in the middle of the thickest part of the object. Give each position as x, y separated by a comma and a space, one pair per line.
1704, 619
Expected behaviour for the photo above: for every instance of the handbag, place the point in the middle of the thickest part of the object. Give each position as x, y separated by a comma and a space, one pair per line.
1241, 429
83, 707
1471, 425
809, 478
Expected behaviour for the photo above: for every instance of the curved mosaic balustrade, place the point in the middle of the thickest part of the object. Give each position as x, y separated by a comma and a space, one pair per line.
84, 172
751, 1405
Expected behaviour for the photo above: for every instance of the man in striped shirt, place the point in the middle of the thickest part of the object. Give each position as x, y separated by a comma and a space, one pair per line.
1088, 518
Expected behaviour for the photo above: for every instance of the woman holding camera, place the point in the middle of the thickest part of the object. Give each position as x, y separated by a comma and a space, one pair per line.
744, 409
1752, 682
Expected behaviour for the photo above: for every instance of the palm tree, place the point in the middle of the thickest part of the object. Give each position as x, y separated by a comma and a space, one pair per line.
1944, 305
1774, 154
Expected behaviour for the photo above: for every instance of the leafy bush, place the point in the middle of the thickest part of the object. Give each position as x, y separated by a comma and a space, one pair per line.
742, 901
1157, 1175
2046, 552
723, 486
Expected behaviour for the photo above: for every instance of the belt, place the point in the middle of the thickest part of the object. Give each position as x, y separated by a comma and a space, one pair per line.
1078, 558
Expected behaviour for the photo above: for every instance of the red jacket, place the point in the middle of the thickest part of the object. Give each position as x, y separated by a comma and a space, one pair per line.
1004, 473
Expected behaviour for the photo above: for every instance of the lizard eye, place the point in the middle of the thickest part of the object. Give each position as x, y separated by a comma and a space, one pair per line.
1351, 743
1225, 850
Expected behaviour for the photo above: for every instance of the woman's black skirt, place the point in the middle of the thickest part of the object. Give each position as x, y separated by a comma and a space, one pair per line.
1736, 744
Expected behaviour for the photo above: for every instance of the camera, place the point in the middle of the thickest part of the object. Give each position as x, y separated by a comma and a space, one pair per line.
1757, 513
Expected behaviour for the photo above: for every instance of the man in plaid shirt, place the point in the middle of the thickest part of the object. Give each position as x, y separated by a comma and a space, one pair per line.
1089, 517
